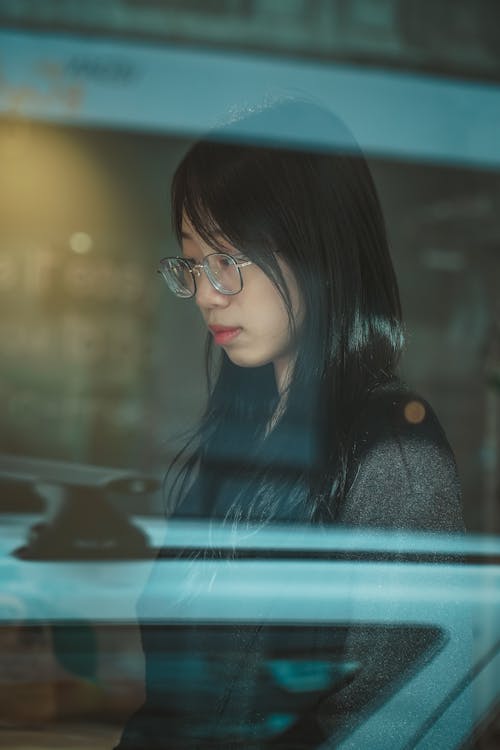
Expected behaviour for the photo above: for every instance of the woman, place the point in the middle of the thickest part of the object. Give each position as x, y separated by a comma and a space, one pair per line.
306, 404
285, 253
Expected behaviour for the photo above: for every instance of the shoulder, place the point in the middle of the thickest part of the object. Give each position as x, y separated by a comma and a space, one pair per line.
394, 412
402, 471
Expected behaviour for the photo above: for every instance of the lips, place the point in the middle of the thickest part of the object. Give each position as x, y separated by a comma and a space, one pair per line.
224, 334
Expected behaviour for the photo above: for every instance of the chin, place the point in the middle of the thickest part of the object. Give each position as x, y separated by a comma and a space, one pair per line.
240, 360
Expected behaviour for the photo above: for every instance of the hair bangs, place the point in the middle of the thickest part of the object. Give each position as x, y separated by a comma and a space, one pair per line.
191, 200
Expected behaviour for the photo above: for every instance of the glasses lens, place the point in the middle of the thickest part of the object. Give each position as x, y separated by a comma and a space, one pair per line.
224, 273
178, 276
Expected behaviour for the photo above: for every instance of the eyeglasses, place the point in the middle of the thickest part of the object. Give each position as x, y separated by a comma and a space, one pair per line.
222, 269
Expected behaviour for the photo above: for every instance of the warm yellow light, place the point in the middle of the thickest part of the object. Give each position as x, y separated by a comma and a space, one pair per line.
80, 242
415, 412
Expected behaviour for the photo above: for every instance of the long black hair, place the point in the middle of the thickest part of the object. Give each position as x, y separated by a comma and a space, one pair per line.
317, 209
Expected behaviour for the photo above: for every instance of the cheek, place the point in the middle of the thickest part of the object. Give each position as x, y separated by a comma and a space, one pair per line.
265, 311
272, 333
269, 313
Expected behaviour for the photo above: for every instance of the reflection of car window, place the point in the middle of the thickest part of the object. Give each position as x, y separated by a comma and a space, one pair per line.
279, 673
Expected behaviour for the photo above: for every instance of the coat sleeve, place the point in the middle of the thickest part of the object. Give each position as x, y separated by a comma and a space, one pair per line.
403, 477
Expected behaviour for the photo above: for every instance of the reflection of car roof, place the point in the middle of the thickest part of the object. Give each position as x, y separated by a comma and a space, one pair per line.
280, 560
68, 473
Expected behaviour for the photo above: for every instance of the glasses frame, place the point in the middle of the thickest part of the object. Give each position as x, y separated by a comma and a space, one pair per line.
195, 270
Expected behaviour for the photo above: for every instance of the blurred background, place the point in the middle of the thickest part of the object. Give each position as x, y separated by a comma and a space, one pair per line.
99, 365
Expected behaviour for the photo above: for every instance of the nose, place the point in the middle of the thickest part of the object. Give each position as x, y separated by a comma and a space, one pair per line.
207, 297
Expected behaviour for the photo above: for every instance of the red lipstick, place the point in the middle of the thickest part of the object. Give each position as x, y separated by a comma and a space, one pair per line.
223, 334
